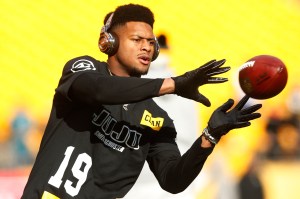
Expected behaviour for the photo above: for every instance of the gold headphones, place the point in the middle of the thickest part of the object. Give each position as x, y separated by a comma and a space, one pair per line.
108, 42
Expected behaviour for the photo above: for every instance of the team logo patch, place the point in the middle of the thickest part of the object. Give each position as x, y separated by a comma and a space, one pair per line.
153, 122
82, 65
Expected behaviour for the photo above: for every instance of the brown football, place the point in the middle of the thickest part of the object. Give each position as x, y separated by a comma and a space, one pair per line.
263, 76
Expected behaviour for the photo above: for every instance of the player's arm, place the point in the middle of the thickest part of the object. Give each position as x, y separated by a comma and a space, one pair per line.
84, 81
91, 88
116, 90
175, 173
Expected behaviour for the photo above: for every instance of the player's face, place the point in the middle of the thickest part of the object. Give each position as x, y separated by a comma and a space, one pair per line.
136, 48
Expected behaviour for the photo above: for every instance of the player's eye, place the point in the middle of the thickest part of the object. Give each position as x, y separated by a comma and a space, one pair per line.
152, 43
137, 40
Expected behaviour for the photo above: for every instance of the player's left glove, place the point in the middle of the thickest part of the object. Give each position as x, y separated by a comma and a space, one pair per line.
222, 120
187, 84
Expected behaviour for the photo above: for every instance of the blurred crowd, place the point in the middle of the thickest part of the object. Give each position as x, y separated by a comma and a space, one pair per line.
283, 129
281, 150
20, 139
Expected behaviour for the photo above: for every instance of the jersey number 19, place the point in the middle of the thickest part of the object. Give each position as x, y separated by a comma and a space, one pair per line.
81, 175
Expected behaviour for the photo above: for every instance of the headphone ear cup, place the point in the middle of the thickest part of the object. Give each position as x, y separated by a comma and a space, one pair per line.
108, 43
156, 50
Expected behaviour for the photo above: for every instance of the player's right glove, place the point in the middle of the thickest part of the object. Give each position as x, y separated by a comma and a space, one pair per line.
222, 120
187, 84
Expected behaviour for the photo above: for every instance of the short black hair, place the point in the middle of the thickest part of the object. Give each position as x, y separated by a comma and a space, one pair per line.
130, 12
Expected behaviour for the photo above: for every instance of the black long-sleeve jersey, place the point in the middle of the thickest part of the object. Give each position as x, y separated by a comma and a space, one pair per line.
101, 130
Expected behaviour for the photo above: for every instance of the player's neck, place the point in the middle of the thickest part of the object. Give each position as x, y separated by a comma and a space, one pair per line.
114, 68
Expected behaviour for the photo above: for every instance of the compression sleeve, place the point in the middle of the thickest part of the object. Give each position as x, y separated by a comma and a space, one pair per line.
92, 89
87, 81
174, 172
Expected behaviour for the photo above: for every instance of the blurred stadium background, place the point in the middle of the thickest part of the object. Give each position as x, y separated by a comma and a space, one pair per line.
38, 37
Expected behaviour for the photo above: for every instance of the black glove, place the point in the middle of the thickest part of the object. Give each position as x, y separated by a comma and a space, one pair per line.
187, 84
221, 121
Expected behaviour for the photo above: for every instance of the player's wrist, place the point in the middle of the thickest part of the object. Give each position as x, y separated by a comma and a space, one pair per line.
206, 134
167, 87
205, 143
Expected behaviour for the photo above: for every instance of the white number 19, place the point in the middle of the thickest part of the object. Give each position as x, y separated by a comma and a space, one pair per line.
56, 180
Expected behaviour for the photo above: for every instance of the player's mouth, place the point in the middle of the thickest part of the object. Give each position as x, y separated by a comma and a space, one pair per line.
144, 59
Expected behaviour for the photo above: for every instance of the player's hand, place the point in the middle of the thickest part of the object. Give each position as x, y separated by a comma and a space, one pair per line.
222, 120
187, 84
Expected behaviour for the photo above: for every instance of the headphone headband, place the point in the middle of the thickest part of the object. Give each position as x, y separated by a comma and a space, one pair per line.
107, 24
